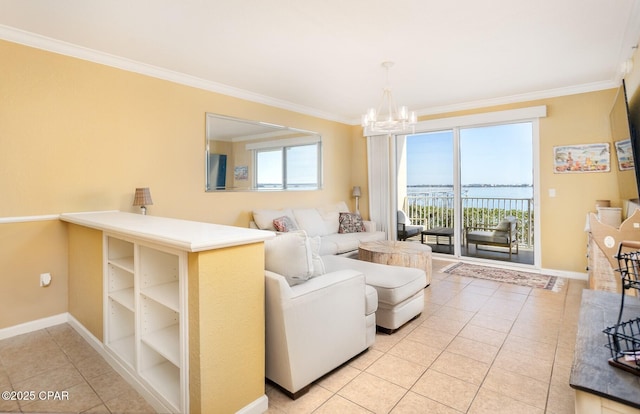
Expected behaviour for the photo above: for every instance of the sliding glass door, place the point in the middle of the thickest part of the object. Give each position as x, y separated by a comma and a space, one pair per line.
426, 187
463, 184
496, 176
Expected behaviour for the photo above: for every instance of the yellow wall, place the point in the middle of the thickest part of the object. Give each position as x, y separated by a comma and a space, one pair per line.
574, 119
29, 249
226, 328
85, 277
79, 136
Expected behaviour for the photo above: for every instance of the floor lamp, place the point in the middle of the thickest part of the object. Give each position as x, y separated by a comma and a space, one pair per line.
357, 193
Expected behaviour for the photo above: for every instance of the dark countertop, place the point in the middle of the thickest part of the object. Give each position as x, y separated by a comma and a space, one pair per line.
591, 371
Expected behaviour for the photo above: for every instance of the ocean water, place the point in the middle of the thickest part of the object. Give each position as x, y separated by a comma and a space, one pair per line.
478, 192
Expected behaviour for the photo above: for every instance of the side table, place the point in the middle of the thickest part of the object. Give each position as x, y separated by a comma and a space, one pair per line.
438, 232
397, 253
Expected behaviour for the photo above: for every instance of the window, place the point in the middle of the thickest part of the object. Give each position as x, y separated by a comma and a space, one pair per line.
288, 167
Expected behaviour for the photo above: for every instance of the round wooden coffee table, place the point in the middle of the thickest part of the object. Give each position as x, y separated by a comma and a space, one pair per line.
397, 253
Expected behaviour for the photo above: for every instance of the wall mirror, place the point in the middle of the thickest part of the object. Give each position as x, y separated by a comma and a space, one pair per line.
244, 155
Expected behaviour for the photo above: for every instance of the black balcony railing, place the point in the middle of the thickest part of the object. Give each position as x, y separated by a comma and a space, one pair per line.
435, 209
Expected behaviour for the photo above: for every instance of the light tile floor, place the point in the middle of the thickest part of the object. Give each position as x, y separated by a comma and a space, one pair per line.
479, 347
58, 359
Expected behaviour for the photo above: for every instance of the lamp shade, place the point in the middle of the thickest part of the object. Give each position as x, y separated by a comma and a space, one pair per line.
142, 197
356, 191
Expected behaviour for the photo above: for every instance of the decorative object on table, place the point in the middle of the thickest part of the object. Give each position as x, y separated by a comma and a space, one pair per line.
357, 193
515, 277
388, 118
582, 158
624, 154
142, 198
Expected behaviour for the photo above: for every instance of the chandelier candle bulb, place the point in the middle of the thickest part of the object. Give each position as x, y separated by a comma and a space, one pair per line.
403, 113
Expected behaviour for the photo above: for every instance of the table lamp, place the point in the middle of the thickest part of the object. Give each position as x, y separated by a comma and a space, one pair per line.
142, 198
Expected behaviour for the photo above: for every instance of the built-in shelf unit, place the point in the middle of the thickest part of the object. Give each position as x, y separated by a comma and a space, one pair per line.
145, 323
147, 317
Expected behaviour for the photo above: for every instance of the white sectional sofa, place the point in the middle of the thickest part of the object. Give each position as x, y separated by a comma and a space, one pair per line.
400, 289
324, 222
315, 320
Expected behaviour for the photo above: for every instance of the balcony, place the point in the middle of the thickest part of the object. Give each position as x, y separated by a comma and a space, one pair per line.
436, 209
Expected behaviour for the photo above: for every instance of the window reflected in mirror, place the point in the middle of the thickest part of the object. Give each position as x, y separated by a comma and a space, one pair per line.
243, 155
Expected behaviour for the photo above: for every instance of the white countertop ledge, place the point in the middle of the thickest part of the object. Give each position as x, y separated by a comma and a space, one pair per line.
191, 236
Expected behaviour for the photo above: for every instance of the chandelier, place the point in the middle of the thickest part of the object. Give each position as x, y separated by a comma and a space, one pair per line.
388, 118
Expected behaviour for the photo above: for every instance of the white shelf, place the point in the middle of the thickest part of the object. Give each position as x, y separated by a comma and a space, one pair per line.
167, 294
124, 297
165, 379
124, 263
166, 342
142, 287
125, 349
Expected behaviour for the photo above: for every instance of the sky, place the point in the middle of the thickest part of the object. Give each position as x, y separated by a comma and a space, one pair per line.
499, 154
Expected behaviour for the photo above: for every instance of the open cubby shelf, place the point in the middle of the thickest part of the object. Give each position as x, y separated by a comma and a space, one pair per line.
143, 315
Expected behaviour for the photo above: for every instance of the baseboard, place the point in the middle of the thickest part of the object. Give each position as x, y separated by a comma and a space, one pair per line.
259, 406
565, 274
117, 366
32, 326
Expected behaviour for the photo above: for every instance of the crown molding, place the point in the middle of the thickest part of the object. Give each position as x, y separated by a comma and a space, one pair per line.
30, 39
37, 41
525, 97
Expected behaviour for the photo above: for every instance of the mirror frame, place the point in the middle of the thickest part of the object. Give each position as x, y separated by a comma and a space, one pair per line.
265, 135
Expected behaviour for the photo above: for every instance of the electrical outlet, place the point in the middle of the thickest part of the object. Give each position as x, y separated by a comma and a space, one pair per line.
636, 225
45, 279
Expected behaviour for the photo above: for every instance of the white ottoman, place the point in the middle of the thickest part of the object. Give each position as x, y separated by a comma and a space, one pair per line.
400, 289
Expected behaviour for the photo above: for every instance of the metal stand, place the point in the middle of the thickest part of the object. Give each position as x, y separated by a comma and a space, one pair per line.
624, 337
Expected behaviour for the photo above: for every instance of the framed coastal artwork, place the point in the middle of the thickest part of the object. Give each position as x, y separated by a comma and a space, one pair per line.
241, 173
582, 158
624, 154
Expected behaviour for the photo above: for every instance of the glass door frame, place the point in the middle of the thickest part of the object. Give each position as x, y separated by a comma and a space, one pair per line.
454, 124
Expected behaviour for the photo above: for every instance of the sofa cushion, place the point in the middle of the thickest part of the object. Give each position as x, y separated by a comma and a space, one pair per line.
350, 223
393, 283
504, 225
290, 255
482, 236
264, 218
284, 224
316, 259
331, 215
311, 221
338, 243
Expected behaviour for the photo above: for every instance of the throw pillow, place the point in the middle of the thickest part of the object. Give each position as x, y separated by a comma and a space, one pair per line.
284, 224
289, 255
505, 225
264, 218
350, 223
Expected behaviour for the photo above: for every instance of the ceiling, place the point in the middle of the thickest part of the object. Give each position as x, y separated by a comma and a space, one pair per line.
322, 57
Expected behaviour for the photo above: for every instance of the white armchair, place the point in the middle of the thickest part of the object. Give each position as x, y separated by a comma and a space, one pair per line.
315, 326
